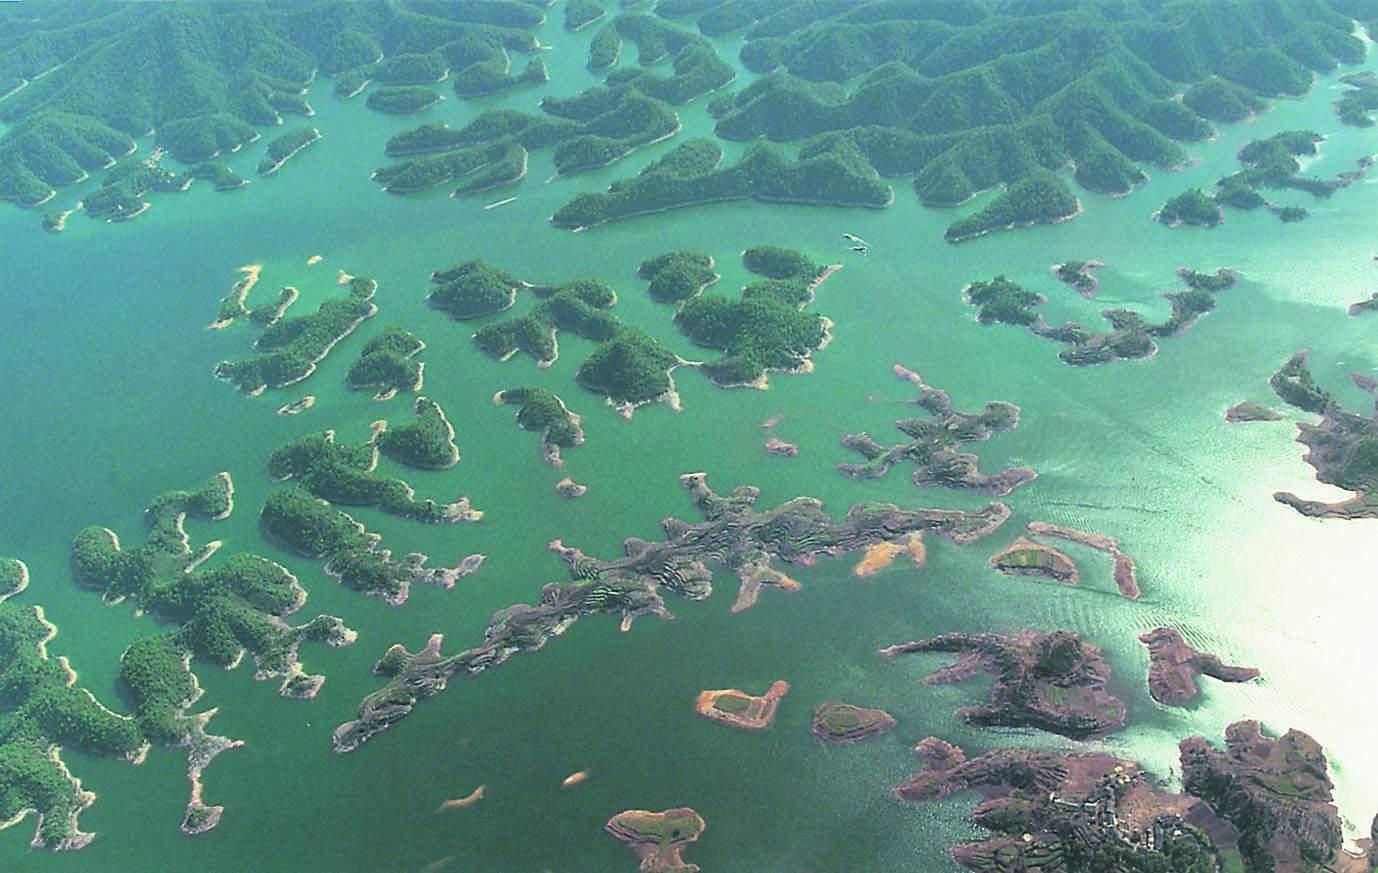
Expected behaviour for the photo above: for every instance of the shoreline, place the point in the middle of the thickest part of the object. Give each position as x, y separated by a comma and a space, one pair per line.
278, 164
1124, 564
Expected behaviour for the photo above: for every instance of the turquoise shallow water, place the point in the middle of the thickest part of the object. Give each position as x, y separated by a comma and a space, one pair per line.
110, 400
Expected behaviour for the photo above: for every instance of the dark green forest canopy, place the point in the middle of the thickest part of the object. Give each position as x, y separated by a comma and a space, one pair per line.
83, 79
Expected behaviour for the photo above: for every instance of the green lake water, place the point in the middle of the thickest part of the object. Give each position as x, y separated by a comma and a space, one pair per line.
110, 400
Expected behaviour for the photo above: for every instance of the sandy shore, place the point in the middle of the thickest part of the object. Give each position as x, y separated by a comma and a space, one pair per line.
239, 291
461, 802
881, 555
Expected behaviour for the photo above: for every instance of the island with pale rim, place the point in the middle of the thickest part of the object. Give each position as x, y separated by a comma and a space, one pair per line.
659, 838
844, 723
388, 363
1081, 275
1125, 579
220, 613
1248, 410
740, 709
544, 411
1024, 557
936, 444
734, 534
1173, 665
1050, 681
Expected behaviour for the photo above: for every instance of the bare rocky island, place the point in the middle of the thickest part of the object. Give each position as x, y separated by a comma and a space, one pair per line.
936, 444
734, 535
659, 838
740, 709
1174, 665
1051, 681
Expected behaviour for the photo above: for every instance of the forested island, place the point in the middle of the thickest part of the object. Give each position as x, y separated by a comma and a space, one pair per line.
290, 348
45, 711
234, 607
936, 444
580, 306
402, 99
543, 411
1053, 681
296, 520
766, 329
473, 289
631, 369
285, 147
1002, 301
388, 363
345, 474
744, 540
427, 442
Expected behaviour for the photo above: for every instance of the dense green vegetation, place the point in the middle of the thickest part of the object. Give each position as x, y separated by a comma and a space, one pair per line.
43, 712
387, 362
1039, 198
219, 613
121, 193
473, 289
839, 177
344, 474
284, 147
290, 348
1191, 207
580, 306
677, 276
427, 442
402, 99
1003, 301
581, 13
543, 411
480, 167
218, 174
1356, 104
204, 77
605, 48
491, 77
631, 368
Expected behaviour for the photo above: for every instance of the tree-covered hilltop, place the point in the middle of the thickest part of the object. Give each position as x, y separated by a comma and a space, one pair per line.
283, 148
494, 76
345, 474
632, 368
1358, 101
970, 96
1002, 301
296, 520
473, 289
579, 306
542, 410
1192, 206
581, 13
689, 175
120, 196
46, 710
677, 276
480, 167
766, 328
81, 81
605, 48
219, 175
219, 613
289, 348
402, 99
388, 363
427, 442
1038, 199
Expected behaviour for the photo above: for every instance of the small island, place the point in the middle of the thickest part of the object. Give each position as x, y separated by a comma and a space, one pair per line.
780, 449
658, 838
1125, 579
1024, 557
843, 723
632, 369
677, 276
285, 147
387, 362
935, 447
1250, 411
1173, 665
1368, 305
579, 306
290, 348
1080, 275
1190, 207
1050, 681
1041, 198
745, 541
544, 411
427, 442
402, 99
473, 290
739, 709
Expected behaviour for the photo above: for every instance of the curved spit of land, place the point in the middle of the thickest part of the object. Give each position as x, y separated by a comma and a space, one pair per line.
740, 709
1124, 564
733, 535
1173, 665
